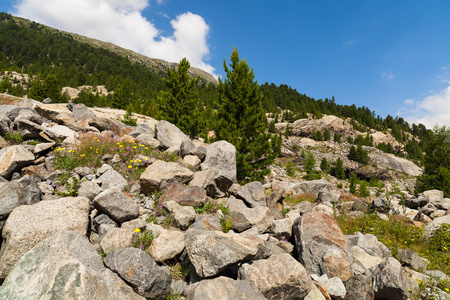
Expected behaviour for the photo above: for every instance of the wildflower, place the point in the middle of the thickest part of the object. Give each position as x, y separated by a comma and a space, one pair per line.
140, 160
112, 149
134, 147
82, 155
120, 146
128, 148
130, 166
141, 247
136, 168
215, 207
137, 230
146, 158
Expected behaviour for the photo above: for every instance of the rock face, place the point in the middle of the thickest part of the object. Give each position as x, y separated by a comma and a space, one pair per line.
278, 277
140, 271
322, 249
14, 158
398, 164
160, 175
64, 266
27, 225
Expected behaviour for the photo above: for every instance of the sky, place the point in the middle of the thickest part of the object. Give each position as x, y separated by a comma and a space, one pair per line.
390, 56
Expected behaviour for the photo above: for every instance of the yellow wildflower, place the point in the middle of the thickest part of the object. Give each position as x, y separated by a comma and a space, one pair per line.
137, 230
130, 166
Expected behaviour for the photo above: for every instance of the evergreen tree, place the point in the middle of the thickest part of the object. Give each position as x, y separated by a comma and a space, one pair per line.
180, 105
324, 165
338, 170
309, 167
436, 173
326, 135
242, 120
337, 138
353, 181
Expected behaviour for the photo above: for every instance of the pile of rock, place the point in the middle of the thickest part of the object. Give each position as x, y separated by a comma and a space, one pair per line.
51, 244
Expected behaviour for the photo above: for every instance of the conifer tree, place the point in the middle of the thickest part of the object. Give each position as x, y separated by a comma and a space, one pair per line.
242, 120
180, 105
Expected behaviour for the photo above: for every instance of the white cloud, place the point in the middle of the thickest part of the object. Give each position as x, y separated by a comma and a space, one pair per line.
121, 22
431, 110
387, 75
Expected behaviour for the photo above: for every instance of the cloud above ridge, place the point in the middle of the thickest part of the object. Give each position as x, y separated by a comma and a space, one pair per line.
121, 22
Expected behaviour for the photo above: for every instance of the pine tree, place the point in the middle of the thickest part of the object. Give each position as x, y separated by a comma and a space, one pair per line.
338, 170
242, 120
180, 105
353, 180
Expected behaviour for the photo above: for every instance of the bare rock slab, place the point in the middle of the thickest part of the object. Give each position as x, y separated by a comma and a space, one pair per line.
160, 175
64, 266
27, 225
278, 277
140, 271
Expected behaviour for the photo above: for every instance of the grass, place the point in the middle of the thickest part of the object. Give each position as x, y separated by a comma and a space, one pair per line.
211, 207
131, 157
13, 136
397, 233
142, 239
293, 200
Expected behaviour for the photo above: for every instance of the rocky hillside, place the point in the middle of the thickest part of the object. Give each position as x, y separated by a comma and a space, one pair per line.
91, 208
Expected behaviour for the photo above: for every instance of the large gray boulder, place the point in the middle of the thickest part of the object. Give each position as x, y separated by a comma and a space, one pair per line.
252, 193
278, 277
14, 158
117, 205
243, 218
112, 179
140, 271
212, 252
24, 191
64, 266
112, 238
81, 112
58, 132
160, 175
389, 282
222, 288
89, 189
169, 135
167, 245
182, 216
221, 156
321, 246
27, 225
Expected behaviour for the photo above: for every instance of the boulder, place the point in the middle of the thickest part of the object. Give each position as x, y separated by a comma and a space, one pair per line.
169, 135
24, 191
117, 205
81, 112
58, 132
182, 216
364, 259
242, 217
311, 187
167, 245
223, 288
27, 225
436, 223
148, 140
278, 277
388, 280
207, 222
102, 219
390, 161
274, 200
112, 179
143, 129
191, 161
43, 147
212, 252
252, 193
321, 246
64, 266
14, 158
114, 238
28, 129
187, 147
360, 287
412, 259
334, 287
221, 156
282, 229
185, 195
160, 175
89, 189
205, 180
140, 271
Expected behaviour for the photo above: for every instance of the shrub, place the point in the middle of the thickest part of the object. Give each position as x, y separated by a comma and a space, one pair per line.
142, 239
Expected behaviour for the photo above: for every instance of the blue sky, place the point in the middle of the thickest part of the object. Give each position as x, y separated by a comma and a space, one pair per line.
390, 56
